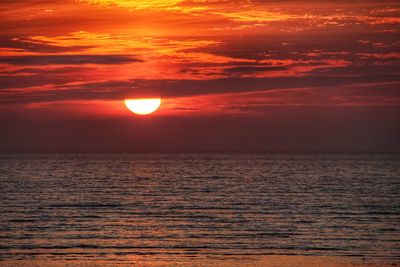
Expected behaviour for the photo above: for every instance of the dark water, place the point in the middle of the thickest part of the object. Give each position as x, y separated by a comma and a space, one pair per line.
178, 206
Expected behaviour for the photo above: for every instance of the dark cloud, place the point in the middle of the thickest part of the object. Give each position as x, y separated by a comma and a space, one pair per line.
27, 44
30, 77
9, 82
252, 69
41, 60
41, 71
112, 90
359, 70
181, 88
298, 46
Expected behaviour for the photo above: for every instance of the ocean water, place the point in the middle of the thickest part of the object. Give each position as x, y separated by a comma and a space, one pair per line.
181, 208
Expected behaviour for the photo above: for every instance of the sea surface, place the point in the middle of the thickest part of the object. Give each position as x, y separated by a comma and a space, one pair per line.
179, 208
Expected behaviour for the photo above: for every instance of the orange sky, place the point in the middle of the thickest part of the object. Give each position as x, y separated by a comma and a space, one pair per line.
78, 59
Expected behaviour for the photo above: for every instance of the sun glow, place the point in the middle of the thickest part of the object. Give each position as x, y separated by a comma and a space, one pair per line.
143, 106
137, 4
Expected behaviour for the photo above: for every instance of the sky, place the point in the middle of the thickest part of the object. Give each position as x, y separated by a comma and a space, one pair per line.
234, 76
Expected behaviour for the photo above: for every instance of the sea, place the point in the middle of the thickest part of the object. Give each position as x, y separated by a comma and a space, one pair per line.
180, 208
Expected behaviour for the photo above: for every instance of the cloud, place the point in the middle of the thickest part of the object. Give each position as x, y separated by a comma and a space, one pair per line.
26, 78
31, 45
13, 82
41, 71
40, 60
197, 60
252, 69
116, 90
137, 4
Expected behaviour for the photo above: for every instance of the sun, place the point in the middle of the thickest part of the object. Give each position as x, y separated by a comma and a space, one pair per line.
143, 106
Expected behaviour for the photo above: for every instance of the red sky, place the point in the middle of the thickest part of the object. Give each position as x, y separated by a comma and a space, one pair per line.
246, 76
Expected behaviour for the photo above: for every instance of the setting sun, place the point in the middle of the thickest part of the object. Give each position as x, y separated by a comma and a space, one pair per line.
143, 106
